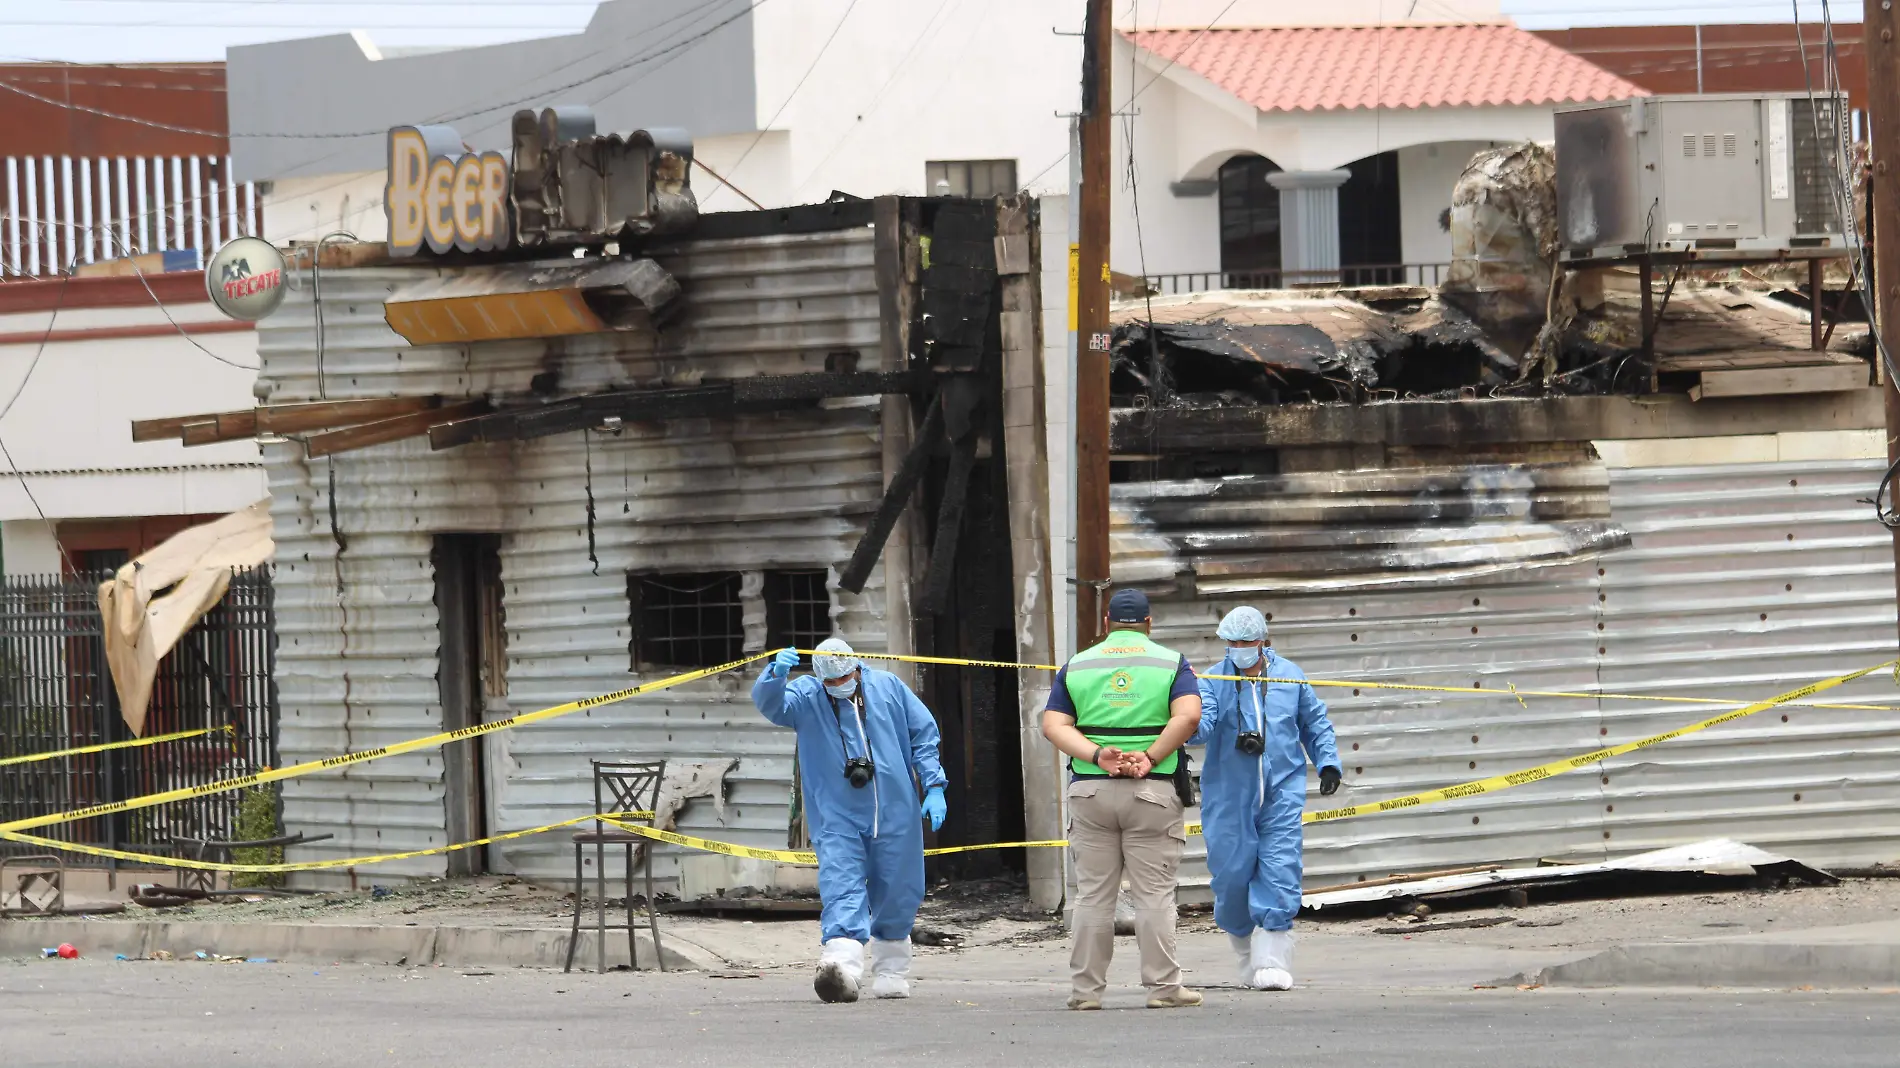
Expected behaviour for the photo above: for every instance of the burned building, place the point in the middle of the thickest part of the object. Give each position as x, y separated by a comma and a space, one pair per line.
503, 480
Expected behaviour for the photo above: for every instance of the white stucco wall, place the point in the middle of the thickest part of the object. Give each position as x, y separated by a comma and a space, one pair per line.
1426, 176
27, 548
70, 432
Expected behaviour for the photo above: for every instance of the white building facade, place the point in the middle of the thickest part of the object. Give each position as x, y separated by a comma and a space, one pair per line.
81, 359
1366, 112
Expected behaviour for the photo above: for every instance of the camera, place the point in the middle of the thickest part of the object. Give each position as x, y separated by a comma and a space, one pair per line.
1252, 743
860, 771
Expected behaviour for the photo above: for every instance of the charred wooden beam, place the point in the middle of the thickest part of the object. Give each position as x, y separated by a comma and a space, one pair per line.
229, 426
896, 496
773, 389
764, 393
943, 548
326, 415
383, 431
282, 418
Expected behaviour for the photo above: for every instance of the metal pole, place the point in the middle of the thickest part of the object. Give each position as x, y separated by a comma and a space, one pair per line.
1883, 136
1698, 58
1091, 357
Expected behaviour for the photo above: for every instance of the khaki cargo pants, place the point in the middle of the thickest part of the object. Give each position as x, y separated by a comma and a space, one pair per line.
1129, 829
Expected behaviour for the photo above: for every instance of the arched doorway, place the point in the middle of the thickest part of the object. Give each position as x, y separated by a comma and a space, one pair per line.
1249, 221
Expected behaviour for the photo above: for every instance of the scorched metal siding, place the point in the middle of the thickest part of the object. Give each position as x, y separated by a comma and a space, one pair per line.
358, 667
1680, 612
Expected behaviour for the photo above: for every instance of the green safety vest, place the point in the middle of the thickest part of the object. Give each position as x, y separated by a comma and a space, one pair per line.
1120, 691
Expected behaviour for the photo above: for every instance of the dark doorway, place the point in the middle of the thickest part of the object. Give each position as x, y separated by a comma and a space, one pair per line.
1249, 217
1369, 219
471, 671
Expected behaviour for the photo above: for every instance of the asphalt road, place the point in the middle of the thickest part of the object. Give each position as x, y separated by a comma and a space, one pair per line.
93, 1013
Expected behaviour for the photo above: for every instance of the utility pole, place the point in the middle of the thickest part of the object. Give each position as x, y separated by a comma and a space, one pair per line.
1883, 137
1091, 351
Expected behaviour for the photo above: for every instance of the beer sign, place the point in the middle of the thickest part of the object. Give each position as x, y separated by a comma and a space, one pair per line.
441, 196
246, 278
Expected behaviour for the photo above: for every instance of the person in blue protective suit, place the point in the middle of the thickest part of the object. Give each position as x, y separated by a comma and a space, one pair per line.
1259, 737
862, 736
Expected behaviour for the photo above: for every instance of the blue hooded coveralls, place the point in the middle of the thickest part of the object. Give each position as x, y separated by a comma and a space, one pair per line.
870, 839
1251, 806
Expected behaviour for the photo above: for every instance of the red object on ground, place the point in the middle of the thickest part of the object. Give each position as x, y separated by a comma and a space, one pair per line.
67, 952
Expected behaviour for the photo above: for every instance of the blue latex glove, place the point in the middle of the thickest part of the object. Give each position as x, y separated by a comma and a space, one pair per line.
934, 808
782, 664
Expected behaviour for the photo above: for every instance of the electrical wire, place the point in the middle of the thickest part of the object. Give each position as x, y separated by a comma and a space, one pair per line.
877, 99
1842, 193
766, 126
59, 302
636, 61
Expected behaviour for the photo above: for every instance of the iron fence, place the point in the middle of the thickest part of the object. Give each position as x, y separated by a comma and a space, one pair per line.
1374, 274
56, 693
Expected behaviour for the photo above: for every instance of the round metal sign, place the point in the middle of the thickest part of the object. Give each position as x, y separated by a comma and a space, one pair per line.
246, 278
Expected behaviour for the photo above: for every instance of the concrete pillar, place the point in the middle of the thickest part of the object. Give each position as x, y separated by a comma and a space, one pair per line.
1309, 224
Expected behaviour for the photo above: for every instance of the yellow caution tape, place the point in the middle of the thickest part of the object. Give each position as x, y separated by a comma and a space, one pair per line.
175, 736
394, 749
1557, 767
1493, 784
1511, 688
161, 861
804, 857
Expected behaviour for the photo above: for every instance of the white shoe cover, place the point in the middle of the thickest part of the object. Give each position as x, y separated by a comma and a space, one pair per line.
890, 968
1272, 960
1243, 948
840, 970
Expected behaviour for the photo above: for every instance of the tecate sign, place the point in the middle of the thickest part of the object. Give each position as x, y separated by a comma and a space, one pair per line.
442, 196
246, 278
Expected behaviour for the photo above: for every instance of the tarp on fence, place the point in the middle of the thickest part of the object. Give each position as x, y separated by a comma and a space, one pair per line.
152, 601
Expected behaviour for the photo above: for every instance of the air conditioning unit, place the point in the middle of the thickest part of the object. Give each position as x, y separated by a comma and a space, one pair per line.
1716, 176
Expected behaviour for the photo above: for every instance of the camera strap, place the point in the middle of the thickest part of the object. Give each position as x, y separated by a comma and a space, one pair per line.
856, 701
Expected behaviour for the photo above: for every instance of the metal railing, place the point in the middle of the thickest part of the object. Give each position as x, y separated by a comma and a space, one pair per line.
56, 693
62, 211
1375, 274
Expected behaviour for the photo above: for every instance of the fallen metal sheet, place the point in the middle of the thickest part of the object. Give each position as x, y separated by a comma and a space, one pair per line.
1716, 856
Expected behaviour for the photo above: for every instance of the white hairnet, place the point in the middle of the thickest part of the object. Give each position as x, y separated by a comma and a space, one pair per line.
833, 667
1243, 624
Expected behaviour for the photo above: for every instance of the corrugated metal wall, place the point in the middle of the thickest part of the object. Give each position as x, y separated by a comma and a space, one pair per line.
357, 668
1742, 581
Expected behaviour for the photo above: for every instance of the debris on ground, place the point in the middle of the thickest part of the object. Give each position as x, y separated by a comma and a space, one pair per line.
1714, 863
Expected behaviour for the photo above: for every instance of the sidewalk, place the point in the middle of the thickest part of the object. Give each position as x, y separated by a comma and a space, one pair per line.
1844, 936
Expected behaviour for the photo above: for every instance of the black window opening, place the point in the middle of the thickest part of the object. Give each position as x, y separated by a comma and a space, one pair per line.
797, 610
981, 178
1249, 220
1369, 233
697, 619
690, 620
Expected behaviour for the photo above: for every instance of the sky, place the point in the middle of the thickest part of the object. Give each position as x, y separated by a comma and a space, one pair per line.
121, 31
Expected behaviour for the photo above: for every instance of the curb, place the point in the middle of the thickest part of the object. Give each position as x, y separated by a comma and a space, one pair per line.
1777, 965
493, 947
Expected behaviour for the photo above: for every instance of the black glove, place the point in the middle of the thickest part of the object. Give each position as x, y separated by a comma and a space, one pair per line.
1328, 781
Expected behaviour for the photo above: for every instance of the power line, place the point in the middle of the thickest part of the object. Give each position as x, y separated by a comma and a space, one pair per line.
767, 125
615, 69
877, 98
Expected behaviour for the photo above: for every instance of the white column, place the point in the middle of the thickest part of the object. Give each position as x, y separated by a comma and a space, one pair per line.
1309, 224
14, 210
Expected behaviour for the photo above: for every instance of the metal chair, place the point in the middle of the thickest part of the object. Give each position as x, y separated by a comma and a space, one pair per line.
627, 786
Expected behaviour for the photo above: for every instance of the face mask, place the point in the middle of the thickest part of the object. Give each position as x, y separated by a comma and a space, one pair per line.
842, 689
1244, 656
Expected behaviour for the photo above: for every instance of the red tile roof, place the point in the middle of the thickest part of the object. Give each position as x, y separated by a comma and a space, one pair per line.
1335, 67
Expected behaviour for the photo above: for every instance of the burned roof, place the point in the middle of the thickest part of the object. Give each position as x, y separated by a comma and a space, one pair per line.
1381, 343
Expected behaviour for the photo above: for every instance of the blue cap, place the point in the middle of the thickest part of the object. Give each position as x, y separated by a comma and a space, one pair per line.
1128, 606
